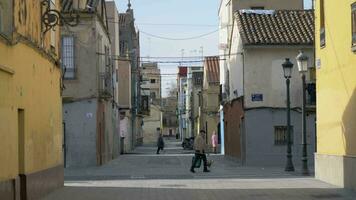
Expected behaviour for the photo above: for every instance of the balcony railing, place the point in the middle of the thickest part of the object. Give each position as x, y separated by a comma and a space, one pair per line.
105, 85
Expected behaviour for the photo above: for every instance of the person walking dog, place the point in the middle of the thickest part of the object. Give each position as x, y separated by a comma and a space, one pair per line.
200, 149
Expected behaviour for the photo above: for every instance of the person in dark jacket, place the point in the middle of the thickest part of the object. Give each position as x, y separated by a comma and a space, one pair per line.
160, 143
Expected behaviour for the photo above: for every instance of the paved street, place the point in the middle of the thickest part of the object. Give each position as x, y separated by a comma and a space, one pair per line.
145, 175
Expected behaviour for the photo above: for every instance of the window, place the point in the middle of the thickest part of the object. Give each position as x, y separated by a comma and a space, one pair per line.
153, 80
322, 24
68, 57
257, 8
6, 18
353, 21
280, 135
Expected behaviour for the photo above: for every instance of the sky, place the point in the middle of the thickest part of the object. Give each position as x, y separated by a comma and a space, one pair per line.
176, 19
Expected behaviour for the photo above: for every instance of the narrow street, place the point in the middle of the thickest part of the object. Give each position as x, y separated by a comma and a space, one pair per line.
146, 175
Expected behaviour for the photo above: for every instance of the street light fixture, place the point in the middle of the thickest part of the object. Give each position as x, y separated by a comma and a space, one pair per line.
287, 69
302, 60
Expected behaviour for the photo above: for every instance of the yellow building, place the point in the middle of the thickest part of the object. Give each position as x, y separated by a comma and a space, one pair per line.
336, 92
30, 102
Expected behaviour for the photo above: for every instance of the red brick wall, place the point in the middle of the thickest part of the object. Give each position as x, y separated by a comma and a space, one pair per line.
233, 112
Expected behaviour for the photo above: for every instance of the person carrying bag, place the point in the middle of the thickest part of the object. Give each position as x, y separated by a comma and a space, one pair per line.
200, 149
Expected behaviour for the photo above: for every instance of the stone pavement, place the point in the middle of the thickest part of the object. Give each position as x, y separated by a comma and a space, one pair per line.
145, 175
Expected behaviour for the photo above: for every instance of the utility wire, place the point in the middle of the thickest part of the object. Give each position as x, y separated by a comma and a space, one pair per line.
179, 39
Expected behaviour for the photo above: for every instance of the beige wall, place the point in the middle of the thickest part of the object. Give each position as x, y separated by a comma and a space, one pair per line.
87, 62
124, 84
151, 123
263, 74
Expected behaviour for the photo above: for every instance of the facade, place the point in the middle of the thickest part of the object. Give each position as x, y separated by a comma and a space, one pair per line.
152, 124
125, 107
226, 12
130, 50
170, 120
31, 133
255, 108
113, 14
181, 107
336, 86
194, 99
209, 110
151, 91
89, 110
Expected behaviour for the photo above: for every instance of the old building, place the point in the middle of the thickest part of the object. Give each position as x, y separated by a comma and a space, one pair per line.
336, 92
151, 91
88, 98
194, 99
169, 119
181, 106
226, 11
125, 107
113, 27
130, 50
255, 110
209, 110
31, 153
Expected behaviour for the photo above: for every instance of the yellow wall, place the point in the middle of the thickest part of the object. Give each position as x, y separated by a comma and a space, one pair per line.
29, 80
336, 81
35, 88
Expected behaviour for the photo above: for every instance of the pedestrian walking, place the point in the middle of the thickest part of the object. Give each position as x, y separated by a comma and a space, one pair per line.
200, 149
160, 143
214, 141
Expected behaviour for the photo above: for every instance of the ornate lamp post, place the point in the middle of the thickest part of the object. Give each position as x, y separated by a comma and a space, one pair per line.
302, 60
287, 69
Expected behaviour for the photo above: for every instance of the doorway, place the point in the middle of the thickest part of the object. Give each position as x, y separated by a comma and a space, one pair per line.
21, 152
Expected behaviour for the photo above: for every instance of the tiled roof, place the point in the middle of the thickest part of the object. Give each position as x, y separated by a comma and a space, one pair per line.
282, 27
212, 69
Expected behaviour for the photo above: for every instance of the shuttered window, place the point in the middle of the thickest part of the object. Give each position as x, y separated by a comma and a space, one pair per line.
6, 18
281, 136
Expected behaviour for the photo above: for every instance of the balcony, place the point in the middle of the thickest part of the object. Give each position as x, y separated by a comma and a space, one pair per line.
105, 85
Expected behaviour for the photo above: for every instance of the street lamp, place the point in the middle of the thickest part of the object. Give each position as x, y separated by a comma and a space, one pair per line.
287, 69
302, 60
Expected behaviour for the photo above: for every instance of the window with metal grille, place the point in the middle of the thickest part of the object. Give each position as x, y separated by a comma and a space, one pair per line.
68, 57
353, 22
281, 135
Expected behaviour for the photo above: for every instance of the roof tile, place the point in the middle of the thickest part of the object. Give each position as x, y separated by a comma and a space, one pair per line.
212, 69
282, 27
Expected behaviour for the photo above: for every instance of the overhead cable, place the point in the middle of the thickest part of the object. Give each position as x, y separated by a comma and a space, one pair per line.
188, 38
